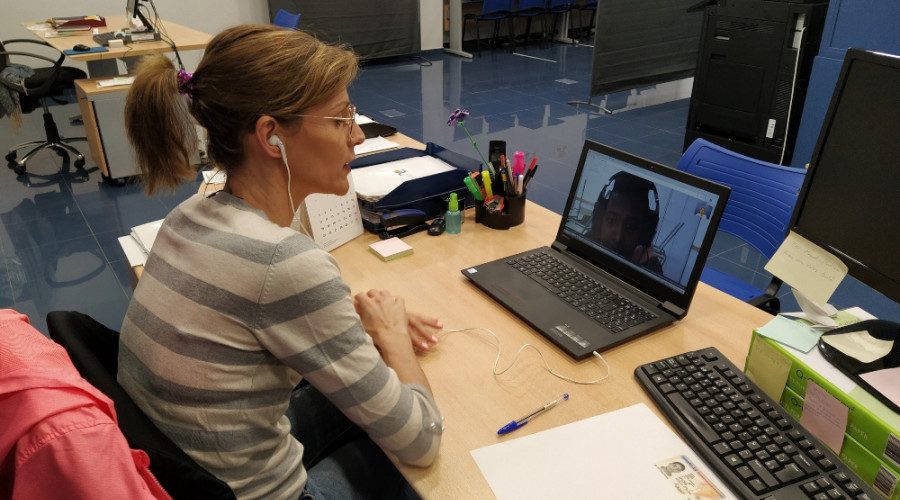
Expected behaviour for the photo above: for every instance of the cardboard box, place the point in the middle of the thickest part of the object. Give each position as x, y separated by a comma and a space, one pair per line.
880, 475
777, 367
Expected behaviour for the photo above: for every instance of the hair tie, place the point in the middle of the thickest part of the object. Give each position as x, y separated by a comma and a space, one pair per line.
185, 83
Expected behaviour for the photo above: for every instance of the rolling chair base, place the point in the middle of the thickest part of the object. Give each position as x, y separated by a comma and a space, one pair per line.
61, 147
54, 141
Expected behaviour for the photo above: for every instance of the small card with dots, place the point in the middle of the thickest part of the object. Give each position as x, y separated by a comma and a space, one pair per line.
334, 220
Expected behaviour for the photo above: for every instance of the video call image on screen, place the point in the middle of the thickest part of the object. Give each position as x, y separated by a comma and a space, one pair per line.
640, 218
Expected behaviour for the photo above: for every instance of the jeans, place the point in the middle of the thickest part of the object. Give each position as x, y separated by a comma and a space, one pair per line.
340, 459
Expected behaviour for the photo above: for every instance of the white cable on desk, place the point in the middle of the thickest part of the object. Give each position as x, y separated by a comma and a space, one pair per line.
522, 348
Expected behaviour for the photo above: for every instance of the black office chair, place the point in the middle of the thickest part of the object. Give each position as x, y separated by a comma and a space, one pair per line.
496, 11
94, 350
33, 92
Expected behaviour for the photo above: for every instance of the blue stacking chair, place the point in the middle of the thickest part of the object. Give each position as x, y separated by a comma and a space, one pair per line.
758, 211
496, 11
529, 9
558, 8
589, 6
286, 19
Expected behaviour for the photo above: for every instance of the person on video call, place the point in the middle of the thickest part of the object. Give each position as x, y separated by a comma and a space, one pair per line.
237, 304
625, 218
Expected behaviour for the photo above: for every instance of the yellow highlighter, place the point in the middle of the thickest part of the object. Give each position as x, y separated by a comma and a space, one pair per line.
486, 177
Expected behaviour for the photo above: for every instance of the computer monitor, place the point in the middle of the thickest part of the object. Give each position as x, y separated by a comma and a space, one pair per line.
132, 9
850, 202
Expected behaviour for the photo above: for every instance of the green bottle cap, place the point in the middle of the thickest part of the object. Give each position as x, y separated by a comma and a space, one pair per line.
453, 206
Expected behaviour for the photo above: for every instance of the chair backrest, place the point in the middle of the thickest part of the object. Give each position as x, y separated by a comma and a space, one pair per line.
495, 6
94, 350
286, 19
531, 5
763, 195
558, 6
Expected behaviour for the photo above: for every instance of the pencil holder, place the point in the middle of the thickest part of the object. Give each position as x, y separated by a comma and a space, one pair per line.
513, 213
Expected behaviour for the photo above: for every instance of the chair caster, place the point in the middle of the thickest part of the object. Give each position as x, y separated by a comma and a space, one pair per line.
79, 163
18, 169
11, 157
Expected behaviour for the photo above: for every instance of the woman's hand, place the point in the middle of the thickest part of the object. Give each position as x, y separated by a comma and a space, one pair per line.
423, 330
383, 317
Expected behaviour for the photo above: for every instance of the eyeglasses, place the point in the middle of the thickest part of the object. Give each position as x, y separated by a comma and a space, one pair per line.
349, 121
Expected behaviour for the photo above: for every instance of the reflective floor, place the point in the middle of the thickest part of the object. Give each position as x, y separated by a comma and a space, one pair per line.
59, 226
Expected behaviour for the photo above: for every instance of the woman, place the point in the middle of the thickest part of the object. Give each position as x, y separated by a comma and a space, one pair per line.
235, 306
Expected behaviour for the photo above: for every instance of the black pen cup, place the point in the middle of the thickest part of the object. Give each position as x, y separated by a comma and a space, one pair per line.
513, 213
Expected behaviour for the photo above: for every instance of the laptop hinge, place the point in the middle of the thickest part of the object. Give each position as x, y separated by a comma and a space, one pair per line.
672, 309
558, 246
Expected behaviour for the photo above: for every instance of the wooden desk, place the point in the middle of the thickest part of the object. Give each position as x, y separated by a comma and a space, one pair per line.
103, 63
474, 402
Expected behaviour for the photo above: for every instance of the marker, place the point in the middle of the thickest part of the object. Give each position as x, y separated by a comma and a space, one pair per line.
533, 163
515, 424
486, 176
473, 188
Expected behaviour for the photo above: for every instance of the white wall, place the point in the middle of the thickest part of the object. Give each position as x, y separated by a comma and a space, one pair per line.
209, 16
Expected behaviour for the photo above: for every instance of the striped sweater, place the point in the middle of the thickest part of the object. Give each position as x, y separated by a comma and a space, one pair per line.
230, 313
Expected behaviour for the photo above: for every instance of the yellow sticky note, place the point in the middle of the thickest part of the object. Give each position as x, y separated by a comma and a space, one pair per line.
768, 368
807, 267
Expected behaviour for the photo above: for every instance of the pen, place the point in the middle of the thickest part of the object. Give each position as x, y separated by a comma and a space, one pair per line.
515, 424
529, 175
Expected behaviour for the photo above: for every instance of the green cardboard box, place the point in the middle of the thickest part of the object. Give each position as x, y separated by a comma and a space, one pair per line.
882, 476
775, 367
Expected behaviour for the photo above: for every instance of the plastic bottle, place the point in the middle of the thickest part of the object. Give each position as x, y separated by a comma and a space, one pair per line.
453, 217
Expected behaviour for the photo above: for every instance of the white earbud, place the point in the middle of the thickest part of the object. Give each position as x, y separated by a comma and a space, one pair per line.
276, 141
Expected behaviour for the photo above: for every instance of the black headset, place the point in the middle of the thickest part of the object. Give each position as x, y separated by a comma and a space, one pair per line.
650, 215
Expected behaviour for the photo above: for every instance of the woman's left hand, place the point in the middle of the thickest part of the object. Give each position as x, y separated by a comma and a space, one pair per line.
423, 330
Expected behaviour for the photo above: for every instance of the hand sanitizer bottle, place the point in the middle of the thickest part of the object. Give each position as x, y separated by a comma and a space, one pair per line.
453, 217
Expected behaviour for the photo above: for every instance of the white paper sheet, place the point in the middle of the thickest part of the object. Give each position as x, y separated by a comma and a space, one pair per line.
373, 182
627, 453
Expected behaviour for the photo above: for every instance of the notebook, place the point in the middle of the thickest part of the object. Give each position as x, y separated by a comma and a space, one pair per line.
640, 229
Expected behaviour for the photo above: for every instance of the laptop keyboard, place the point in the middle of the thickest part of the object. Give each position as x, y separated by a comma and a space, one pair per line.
605, 306
754, 444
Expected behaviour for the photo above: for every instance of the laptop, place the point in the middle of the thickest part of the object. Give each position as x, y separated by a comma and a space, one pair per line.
631, 227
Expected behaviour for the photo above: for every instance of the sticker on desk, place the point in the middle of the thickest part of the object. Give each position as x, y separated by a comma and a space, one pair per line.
690, 482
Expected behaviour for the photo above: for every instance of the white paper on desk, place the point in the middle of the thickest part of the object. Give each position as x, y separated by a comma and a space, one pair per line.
620, 454
134, 254
374, 182
373, 145
145, 234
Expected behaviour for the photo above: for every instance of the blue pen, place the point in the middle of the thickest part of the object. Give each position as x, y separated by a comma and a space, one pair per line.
515, 424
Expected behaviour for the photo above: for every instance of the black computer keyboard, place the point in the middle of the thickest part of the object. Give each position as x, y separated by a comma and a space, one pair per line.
103, 39
597, 301
756, 447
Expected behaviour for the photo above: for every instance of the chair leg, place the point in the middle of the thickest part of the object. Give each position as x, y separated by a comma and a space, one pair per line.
54, 141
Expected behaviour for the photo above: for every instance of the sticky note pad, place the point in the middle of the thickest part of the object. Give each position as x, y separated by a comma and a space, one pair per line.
391, 248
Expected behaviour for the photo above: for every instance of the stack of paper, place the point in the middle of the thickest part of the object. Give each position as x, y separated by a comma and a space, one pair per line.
137, 244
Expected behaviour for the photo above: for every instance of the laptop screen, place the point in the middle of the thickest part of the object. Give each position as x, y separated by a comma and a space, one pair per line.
645, 222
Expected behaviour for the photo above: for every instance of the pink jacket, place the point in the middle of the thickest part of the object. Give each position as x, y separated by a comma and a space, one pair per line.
58, 434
